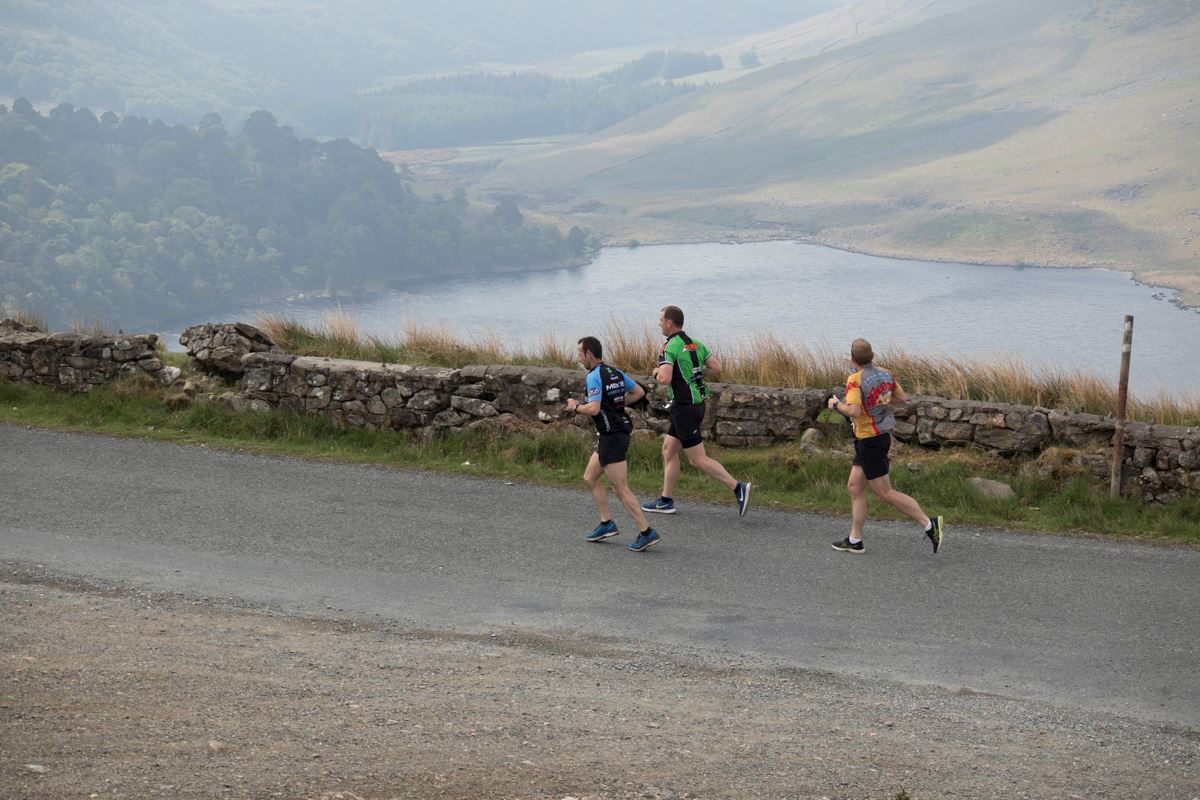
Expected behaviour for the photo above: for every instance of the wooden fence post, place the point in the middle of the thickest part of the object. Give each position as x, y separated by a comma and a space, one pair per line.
1114, 478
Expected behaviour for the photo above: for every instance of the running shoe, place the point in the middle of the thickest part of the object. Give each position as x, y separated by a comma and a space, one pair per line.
742, 493
936, 532
660, 505
846, 546
605, 530
644, 540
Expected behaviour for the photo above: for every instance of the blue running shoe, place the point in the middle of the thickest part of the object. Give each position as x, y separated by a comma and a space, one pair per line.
605, 530
660, 505
644, 540
742, 493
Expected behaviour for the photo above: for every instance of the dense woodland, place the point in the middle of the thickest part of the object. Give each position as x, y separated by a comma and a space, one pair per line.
473, 108
124, 219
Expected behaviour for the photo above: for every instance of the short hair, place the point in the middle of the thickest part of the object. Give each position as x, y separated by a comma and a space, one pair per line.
861, 352
591, 344
674, 315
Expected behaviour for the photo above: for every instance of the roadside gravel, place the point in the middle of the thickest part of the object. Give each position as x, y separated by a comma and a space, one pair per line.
109, 692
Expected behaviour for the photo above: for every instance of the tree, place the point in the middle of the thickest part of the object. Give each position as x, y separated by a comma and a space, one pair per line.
507, 213
576, 241
749, 59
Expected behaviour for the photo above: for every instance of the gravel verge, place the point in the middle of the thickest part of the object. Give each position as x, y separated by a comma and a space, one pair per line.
110, 692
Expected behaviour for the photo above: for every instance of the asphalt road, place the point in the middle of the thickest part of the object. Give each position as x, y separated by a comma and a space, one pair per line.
1096, 624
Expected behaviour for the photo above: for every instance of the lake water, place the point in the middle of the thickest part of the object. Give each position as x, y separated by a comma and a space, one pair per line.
817, 296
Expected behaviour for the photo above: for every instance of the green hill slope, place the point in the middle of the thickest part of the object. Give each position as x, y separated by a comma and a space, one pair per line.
1010, 131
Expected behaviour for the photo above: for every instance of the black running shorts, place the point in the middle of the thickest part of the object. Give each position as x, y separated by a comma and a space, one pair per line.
872, 455
612, 447
685, 424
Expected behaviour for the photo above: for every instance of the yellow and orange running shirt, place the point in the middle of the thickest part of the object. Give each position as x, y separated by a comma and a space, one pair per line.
872, 387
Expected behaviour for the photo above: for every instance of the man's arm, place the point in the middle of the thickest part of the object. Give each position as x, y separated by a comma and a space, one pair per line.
712, 367
851, 410
852, 407
591, 409
591, 386
664, 373
634, 394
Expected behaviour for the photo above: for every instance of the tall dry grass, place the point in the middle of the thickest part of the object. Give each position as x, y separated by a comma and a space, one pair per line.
27, 317
764, 360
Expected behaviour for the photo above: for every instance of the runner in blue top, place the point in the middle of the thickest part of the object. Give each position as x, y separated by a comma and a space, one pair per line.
608, 391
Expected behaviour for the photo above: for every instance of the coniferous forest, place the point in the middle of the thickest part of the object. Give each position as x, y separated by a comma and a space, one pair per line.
115, 218
455, 110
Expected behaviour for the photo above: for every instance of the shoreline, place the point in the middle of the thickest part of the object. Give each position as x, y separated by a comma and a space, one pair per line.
1133, 275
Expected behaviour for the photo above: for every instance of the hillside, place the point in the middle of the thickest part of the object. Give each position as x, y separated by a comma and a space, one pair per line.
1007, 131
178, 61
135, 222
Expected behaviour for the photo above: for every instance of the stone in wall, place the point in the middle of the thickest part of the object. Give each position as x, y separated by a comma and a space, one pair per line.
1026, 431
217, 349
1082, 430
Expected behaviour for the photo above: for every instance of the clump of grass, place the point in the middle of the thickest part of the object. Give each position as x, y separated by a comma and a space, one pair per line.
767, 361
633, 350
439, 345
27, 317
95, 327
764, 361
552, 352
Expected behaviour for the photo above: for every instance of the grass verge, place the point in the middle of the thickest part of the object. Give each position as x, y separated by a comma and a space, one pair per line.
785, 477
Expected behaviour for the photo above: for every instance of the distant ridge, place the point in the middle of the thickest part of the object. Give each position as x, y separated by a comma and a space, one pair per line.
1002, 131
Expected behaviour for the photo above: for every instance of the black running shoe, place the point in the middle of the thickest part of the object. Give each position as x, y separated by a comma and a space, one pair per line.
742, 493
846, 546
936, 532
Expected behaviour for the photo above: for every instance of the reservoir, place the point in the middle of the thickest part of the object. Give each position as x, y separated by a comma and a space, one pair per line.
1064, 319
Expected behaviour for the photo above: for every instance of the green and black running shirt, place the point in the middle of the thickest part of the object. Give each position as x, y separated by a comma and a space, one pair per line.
686, 357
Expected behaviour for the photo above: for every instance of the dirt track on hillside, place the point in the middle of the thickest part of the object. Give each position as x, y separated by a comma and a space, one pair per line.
120, 694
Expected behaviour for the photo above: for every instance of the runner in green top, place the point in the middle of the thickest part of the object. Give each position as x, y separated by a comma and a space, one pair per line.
682, 365
687, 358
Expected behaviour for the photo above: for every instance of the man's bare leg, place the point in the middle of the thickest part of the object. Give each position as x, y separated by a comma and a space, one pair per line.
618, 476
709, 466
857, 484
592, 476
670, 454
881, 487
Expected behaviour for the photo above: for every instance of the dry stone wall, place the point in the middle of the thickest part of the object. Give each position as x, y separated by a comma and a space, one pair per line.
76, 362
428, 399
1161, 461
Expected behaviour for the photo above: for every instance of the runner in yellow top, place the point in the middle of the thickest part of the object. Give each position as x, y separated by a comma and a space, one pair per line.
869, 394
